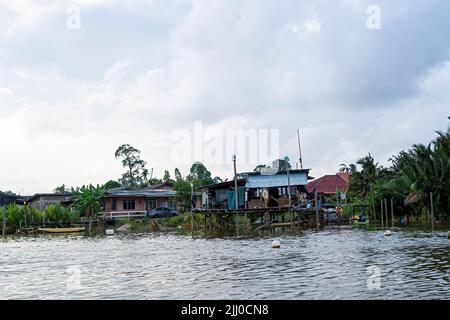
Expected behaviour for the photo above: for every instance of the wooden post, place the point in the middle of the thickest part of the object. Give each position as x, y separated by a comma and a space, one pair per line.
4, 221
382, 215
392, 212
317, 208
373, 204
289, 188
432, 212
236, 193
386, 212
192, 209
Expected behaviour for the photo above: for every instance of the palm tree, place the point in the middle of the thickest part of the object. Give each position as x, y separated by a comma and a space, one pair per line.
344, 168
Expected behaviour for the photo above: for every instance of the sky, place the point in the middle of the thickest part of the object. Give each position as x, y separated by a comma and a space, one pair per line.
180, 80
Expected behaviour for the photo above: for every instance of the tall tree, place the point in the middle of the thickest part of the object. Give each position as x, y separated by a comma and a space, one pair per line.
166, 177
199, 175
178, 175
136, 174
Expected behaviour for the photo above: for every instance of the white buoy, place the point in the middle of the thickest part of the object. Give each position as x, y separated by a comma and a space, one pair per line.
109, 232
276, 244
387, 232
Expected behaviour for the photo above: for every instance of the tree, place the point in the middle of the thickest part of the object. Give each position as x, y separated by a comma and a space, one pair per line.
281, 164
362, 181
413, 175
154, 181
344, 168
178, 175
88, 200
183, 196
136, 174
217, 179
57, 214
60, 189
166, 177
199, 175
111, 184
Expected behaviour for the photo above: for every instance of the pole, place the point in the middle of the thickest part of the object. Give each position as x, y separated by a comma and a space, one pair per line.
382, 214
289, 188
392, 212
373, 204
386, 212
4, 221
235, 192
317, 208
432, 212
299, 150
192, 209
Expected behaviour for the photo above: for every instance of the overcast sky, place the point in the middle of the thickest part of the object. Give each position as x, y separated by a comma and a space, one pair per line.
79, 78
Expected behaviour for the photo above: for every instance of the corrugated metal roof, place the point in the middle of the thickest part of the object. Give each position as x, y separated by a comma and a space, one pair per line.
276, 180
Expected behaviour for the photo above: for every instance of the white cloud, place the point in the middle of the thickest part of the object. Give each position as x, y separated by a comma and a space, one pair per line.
135, 72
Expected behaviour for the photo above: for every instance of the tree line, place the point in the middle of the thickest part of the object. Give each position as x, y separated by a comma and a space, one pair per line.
412, 176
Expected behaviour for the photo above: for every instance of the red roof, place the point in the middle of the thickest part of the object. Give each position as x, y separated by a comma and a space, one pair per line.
328, 183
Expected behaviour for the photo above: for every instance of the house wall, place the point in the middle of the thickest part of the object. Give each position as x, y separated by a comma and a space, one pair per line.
139, 203
42, 202
6, 199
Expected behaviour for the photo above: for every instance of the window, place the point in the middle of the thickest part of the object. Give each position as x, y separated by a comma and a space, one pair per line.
113, 205
150, 204
128, 205
172, 204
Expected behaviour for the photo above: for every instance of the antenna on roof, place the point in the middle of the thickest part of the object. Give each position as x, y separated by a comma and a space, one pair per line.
299, 149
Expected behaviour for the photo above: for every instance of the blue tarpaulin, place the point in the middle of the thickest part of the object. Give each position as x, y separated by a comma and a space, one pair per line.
232, 199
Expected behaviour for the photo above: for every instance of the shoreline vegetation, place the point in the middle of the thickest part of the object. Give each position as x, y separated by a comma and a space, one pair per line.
414, 177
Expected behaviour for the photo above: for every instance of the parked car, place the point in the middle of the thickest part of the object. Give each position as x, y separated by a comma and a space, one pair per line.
161, 213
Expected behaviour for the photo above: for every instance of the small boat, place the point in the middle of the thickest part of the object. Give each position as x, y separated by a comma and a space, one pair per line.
356, 222
61, 230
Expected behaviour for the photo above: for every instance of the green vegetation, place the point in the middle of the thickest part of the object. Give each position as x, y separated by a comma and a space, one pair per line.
88, 201
136, 174
413, 175
17, 217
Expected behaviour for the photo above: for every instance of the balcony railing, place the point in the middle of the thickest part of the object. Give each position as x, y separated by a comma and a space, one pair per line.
124, 214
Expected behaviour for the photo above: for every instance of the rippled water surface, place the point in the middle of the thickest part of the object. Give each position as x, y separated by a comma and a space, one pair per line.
330, 264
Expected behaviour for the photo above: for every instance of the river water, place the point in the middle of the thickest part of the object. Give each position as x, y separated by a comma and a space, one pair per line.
335, 263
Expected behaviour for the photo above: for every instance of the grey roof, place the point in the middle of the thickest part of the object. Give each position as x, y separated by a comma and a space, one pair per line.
7, 195
54, 194
159, 185
128, 192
